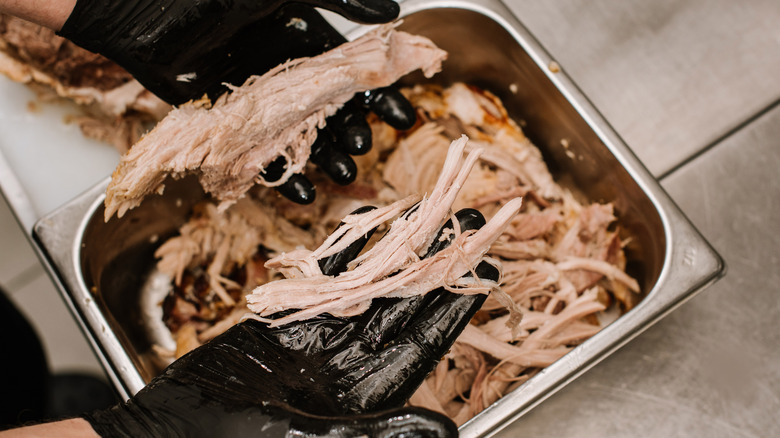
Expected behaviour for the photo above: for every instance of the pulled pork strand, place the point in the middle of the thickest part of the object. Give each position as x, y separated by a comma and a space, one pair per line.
277, 114
398, 253
562, 260
560, 257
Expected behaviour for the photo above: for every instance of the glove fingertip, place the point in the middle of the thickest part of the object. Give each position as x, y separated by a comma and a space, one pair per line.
486, 271
351, 130
421, 423
298, 189
392, 107
470, 219
337, 263
356, 140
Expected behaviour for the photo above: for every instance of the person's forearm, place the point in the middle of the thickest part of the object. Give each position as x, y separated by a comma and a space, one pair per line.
49, 13
73, 428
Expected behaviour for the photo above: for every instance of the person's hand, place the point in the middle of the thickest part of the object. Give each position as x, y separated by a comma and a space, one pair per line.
326, 376
183, 49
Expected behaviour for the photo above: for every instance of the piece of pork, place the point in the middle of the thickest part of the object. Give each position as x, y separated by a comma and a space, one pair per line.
273, 115
547, 248
463, 109
558, 255
225, 239
397, 253
69, 65
117, 107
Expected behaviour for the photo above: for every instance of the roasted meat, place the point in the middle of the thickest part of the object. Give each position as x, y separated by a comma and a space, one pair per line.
563, 265
392, 267
229, 144
117, 109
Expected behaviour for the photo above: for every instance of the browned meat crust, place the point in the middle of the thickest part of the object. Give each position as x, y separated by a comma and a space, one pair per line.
116, 107
68, 63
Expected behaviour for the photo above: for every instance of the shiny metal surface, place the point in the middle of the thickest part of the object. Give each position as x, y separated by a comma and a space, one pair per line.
670, 76
44, 160
102, 267
711, 367
58, 244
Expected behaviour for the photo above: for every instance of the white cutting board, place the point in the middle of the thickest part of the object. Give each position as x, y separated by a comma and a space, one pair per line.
49, 158
44, 161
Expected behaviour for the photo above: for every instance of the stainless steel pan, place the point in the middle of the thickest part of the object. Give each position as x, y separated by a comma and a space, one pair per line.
101, 268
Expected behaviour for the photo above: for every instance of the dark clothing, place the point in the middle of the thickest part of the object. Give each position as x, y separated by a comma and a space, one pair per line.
29, 393
24, 372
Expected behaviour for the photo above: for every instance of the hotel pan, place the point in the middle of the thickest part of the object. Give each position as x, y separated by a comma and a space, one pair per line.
101, 268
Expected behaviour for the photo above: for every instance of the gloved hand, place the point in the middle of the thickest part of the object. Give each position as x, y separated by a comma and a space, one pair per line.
309, 378
181, 49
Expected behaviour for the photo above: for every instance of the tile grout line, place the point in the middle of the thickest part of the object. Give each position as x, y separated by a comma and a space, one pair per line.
720, 139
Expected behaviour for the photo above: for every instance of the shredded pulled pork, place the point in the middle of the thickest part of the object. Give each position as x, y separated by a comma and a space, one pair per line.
277, 114
398, 253
563, 265
116, 107
562, 261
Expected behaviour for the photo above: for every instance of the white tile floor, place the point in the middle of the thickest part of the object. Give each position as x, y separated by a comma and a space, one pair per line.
30, 288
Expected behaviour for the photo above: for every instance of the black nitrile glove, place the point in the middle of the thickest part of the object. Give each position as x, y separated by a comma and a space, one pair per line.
326, 376
183, 49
